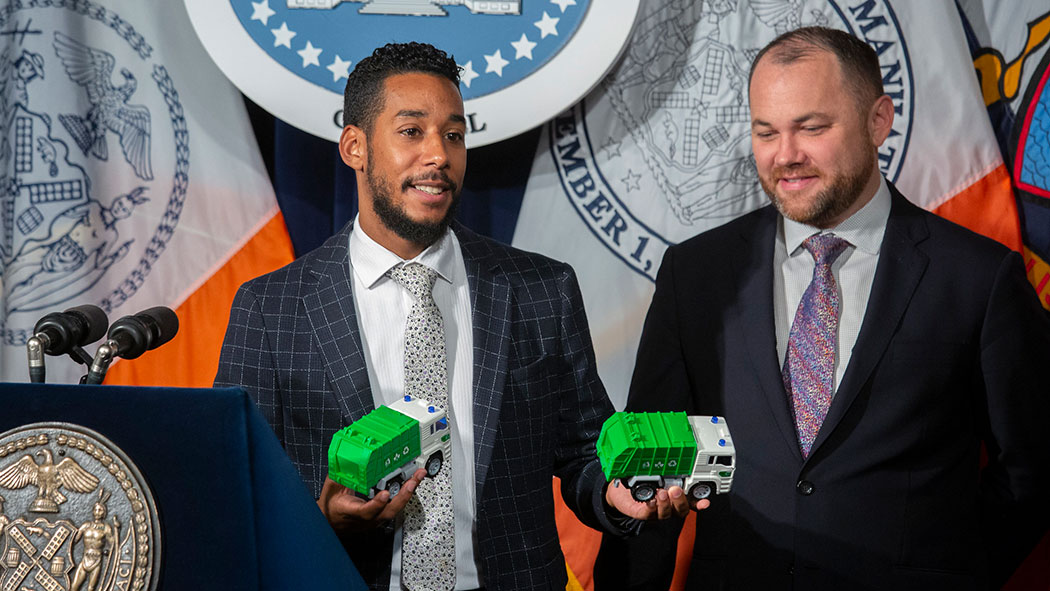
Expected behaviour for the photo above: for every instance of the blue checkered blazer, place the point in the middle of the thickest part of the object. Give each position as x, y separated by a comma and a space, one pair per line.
294, 344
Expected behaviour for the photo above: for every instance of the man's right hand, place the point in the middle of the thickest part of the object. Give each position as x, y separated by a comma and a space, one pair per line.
346, 511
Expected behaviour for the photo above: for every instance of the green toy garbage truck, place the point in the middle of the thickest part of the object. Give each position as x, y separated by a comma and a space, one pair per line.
384, 448
647, 451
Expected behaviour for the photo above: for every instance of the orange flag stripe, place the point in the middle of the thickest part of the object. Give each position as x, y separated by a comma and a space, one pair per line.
987, 207
579, 543
192, 357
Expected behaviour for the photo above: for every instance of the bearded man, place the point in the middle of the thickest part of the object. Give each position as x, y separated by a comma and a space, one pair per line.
403, 300
861, 349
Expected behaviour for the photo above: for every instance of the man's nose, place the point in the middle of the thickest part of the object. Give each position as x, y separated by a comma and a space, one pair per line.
435, 152
788, 151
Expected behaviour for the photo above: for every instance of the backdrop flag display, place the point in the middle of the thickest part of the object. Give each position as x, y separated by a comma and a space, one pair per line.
129, 178
1010, 42
661, 152
522, 61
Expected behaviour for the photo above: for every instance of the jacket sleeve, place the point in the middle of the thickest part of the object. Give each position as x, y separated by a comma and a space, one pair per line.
583, 408
246, 359
659, 383
1015, 354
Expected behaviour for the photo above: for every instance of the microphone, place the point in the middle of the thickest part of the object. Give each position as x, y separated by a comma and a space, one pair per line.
59, 333
131, 336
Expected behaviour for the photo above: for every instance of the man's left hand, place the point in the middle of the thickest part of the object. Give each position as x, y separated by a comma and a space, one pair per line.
665, 503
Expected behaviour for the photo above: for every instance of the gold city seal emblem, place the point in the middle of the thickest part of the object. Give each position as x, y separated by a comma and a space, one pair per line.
75, 513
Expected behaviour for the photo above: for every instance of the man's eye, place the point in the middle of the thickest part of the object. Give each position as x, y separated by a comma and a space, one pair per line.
454, 136
411, 131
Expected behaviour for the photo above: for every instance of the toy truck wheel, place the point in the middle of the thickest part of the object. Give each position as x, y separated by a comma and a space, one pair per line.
394, 486
643, 491
700, 490
434, 464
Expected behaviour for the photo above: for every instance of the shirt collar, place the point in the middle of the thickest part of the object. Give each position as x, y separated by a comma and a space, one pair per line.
370, 260
864, 229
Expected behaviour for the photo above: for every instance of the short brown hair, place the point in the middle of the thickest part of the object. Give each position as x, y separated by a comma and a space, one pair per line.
859, 62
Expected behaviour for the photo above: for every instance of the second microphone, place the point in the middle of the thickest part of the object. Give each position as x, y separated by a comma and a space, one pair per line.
131, 336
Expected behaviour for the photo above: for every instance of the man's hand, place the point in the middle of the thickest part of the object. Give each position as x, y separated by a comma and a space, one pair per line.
672, 501
346, 511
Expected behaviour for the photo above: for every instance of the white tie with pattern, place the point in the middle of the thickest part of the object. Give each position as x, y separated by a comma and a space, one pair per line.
428, 549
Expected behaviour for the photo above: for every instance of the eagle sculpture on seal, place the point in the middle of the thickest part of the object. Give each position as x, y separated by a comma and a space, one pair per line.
48, 478
92, 69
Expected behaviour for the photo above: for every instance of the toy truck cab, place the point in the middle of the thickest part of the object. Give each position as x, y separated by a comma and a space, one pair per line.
385, 447
647, 451
715, 458
435, 442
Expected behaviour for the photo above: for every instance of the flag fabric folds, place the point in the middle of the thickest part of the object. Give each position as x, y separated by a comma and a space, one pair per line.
129, 178
1010, 43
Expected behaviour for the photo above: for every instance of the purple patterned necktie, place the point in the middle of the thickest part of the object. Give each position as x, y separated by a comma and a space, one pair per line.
809, 366
428, 548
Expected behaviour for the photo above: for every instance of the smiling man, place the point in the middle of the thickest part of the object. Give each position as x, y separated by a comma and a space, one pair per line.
403, 300
861, 349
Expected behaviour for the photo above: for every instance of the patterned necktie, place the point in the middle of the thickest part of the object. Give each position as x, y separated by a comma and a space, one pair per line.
809, 366
428, 549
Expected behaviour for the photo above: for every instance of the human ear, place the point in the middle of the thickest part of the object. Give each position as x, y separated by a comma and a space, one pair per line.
353, 147
880, 119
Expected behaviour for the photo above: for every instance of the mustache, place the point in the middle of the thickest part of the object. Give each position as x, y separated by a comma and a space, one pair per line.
779, 172
439, 176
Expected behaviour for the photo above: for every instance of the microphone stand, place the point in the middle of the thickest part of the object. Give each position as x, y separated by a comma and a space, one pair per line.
36, 345
100, 364
35, 351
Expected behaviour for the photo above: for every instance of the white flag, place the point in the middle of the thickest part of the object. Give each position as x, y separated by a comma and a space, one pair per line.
661, 151
129, 178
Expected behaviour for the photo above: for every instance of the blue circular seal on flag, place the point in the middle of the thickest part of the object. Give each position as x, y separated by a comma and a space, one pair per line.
522, 61
663, 151
94, 158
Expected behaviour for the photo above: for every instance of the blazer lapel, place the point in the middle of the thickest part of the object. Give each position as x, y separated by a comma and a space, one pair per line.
329, 303
753, 317
490, 313
901, 266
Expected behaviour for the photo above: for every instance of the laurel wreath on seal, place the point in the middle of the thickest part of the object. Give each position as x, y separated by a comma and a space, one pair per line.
138, 506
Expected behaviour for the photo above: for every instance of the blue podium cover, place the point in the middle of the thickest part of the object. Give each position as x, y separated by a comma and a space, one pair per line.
233, 512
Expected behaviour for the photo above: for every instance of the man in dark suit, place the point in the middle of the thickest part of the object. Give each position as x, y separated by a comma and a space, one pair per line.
861, 350
323, 341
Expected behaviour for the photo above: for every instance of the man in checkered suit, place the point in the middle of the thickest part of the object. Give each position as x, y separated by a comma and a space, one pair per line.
319, 343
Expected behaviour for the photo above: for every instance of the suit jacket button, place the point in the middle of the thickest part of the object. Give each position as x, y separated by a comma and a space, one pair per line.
805, 488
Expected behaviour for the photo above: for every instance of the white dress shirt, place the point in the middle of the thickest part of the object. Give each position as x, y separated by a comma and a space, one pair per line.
854, 272
382, 311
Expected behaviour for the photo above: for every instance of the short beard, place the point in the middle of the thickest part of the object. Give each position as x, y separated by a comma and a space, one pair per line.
828, 204
397, 221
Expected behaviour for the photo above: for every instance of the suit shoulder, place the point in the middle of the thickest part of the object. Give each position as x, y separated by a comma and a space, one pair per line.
722, 236
300, 271
528, 266
951, 243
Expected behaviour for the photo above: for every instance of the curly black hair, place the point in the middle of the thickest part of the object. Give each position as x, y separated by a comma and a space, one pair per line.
363, 97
